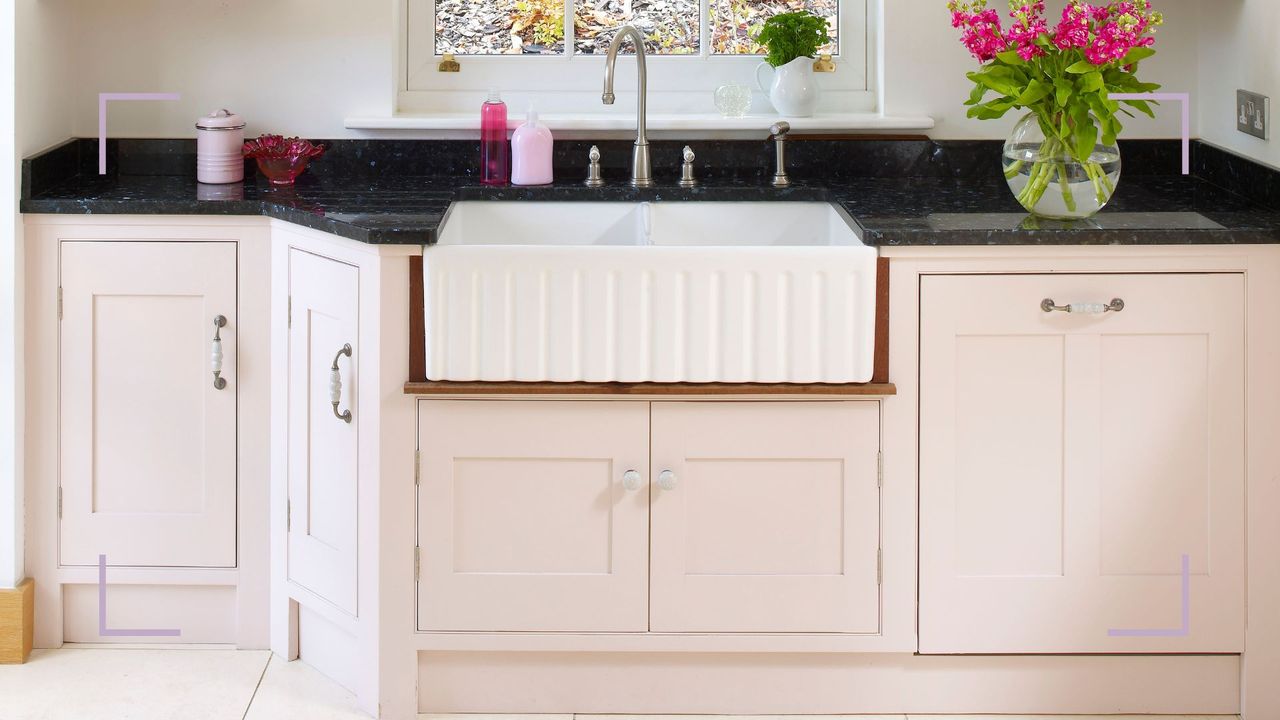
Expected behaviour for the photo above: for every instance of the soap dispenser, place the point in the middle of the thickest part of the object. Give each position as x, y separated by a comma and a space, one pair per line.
531, 152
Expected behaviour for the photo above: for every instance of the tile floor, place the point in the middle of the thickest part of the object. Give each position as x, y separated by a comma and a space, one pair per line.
95, 683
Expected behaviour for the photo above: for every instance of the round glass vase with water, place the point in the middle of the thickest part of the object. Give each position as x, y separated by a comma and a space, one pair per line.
1050, 181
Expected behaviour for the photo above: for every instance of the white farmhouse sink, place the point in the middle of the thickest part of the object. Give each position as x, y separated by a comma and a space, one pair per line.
767, 292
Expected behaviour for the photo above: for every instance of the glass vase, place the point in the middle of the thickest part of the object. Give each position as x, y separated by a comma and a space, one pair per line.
1050, 181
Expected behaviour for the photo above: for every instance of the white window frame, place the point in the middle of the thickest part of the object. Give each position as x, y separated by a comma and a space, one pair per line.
678, 84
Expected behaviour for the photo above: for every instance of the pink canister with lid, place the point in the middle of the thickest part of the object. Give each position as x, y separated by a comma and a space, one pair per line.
219, 148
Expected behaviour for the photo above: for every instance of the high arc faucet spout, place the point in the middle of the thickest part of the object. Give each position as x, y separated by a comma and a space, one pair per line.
641, 169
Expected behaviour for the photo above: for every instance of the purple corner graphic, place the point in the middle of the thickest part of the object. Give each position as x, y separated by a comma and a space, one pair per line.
1183, 631
1185, 99
103, 630
103, 99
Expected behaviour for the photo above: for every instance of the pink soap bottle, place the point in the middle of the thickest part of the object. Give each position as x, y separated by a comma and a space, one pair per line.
531, 152
494, 158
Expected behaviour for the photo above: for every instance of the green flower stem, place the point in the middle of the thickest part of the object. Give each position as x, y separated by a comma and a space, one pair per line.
1067, 198
1013, 170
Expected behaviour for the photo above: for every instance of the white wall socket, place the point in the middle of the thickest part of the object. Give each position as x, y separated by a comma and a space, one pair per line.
1253, 114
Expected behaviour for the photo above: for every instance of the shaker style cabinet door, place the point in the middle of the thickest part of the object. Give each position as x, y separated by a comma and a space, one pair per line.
765, 517
148, 441
533, 515
324, 322
1070, 461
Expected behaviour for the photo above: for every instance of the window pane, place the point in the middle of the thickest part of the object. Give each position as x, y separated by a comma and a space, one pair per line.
499, 27
735, 22
670, 27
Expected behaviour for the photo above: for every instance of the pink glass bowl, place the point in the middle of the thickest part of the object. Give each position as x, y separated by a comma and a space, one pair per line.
282, 160
283, 171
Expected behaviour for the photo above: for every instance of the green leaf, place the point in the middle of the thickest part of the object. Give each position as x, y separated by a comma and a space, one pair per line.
1137, 54
1001, 78
1010, 57
1092, 82
975, 97
1064, 90
1085, 140
1082, 67
1141, 106
1035, 92
992, 110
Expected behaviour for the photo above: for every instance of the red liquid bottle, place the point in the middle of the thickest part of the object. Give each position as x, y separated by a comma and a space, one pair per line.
495, 154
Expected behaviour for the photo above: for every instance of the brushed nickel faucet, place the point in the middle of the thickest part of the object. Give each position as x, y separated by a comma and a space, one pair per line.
641, 170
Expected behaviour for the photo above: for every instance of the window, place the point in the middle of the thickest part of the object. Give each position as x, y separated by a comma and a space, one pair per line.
523, 47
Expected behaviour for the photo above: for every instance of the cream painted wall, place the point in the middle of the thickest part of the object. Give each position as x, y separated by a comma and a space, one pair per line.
291, 66
337, 62
35, 112
10, 463
1240, 48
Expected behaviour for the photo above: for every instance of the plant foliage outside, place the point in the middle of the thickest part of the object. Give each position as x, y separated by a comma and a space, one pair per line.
792, 35
1065, 76
670, 27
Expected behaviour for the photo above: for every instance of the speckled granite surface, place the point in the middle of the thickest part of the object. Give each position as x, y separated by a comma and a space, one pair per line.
901, 192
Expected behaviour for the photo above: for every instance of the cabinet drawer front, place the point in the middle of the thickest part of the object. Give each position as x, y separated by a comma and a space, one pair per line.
1069, 461
148, 443
524, 519
323, 459
770, 521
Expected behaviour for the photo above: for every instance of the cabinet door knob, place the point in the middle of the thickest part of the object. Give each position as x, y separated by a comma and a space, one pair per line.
335, 385
215, 352
631, 480
667, 480
1116, 305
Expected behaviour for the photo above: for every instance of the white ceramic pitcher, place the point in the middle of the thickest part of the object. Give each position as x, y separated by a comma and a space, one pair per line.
793, 90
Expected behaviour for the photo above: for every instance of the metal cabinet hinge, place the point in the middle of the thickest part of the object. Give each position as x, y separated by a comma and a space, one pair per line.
417, 467
288, 515
59, 501
417, 563
879, 469
879, 566
59, 302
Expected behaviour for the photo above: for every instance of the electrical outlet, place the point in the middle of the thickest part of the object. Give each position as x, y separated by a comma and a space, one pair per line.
1253, 114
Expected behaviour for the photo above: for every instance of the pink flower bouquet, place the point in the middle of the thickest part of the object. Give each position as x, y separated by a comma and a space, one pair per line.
1064, 76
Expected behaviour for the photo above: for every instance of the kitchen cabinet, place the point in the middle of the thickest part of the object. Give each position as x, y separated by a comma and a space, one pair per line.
533, 515
147, 432
1069, 461
765, 517
577, 516
323, 426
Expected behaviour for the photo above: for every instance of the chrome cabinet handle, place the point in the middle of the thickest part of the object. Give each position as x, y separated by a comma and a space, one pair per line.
215, 352
1116, 305
631, 480
667, 480
335, 385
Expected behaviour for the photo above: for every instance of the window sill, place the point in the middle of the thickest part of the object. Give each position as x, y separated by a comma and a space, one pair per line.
826, 122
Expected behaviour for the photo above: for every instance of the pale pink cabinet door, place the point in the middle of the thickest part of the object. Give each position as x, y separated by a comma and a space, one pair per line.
765, 517
528, 519
1069, 461
324, 318
147, 443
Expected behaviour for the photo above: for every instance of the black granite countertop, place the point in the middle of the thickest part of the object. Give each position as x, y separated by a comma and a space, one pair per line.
943, 205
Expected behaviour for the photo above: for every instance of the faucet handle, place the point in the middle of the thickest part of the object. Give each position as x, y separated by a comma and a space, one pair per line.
594, 179
687, 180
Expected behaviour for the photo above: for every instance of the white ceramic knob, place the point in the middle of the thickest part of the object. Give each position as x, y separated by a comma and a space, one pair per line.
667, 480
335, 386
631, 480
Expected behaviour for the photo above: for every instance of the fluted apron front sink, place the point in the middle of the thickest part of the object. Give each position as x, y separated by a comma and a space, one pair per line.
766, 292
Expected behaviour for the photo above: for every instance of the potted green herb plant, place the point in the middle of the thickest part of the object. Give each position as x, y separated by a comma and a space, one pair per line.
792, 40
